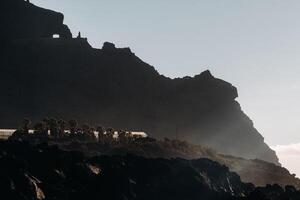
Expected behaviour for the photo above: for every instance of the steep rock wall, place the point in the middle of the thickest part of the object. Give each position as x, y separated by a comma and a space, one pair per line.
67, 78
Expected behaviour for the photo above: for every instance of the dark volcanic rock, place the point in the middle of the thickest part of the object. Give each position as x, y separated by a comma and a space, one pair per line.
258, 172
44, 172
21, 19
67, 78
107, 46
28, 172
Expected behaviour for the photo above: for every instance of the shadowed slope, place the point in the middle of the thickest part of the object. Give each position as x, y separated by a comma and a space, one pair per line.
67, 78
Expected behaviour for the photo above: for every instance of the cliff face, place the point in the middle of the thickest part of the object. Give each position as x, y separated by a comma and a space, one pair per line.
67, 78
20, 19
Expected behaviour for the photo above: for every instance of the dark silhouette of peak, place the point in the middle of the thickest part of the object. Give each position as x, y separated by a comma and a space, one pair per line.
67, 78
110, 47
23, 20
205, 75
107, 46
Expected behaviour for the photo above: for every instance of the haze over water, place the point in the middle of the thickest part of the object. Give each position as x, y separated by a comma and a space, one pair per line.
254, 45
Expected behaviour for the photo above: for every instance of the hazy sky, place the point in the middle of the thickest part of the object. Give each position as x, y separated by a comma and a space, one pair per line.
254, 45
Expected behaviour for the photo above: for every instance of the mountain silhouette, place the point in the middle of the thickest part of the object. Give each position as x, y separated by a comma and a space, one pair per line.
67, 78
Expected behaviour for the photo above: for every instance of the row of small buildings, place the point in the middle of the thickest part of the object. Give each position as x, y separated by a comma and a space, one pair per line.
6, 133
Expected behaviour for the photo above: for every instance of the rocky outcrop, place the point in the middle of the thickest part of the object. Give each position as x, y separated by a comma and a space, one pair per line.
67, 78
44, 172
22, 20
258, 172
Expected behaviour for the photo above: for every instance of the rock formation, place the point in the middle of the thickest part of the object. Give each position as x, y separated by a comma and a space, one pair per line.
45, 172
21, 20
67, 78
257, 172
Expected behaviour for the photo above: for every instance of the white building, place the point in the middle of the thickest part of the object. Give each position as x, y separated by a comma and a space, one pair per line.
5, 133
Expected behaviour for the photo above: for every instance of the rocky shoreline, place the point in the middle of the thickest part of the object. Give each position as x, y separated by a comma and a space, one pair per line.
45, 172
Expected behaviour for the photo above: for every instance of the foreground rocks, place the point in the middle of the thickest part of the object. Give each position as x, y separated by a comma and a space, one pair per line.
46, 172
258, 172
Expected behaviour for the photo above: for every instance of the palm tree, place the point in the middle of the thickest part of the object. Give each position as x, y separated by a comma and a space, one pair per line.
122, 136
53, 127
86, 129
73, 126
92, 132
61, 127
129, 136
26, 126
101, 135
109, 135
39, 128
46, 121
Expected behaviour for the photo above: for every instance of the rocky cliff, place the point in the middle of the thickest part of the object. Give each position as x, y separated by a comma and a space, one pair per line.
20, 19
67, 78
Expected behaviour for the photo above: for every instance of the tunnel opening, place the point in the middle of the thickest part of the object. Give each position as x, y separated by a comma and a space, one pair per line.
56, 36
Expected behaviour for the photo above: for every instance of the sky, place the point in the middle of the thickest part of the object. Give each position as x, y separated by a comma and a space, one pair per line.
254, 45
